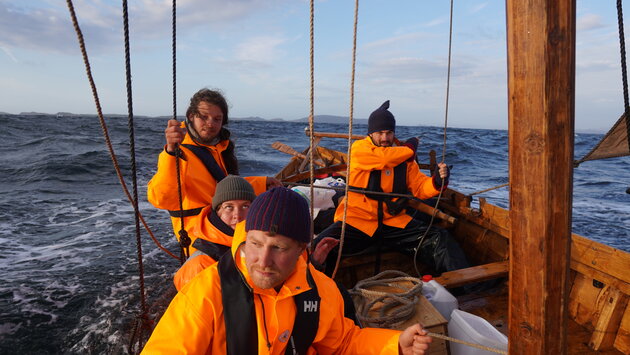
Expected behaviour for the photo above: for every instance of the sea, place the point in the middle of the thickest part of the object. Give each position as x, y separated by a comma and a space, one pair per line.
68, 253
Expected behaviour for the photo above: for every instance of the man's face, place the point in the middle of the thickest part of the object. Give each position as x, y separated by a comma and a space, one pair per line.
233, 211
270, 260
208, 121
383, 138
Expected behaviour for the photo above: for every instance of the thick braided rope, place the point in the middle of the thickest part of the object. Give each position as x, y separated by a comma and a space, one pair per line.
395, 307
132, 153
97, 102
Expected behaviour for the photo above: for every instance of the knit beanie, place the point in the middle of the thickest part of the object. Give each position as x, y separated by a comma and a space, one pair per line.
280, 211
381, 119
232, 187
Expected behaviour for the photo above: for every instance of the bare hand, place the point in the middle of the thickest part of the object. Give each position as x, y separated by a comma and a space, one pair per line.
323, 248
174, 135
273, 182
414, 340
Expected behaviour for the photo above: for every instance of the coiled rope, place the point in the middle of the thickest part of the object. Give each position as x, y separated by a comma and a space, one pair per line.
395, 308
99, 111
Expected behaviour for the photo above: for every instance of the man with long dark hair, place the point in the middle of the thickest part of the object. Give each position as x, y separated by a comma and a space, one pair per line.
206, 156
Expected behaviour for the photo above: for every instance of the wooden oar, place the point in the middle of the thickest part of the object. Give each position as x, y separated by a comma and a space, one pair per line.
332, 135
286, 149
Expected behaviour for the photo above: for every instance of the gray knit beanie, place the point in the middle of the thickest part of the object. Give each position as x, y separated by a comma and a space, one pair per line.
232, 187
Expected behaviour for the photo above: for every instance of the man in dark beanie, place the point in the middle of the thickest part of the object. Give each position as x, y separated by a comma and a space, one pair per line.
378, 223
264, 298
212, 229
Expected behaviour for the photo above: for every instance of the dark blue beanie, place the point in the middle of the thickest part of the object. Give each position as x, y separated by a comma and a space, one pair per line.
381, 119
280, 211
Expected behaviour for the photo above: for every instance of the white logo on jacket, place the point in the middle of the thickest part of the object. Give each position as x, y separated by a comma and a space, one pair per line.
310, 306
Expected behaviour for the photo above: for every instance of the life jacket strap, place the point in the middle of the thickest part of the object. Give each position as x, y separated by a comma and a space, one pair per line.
208, 161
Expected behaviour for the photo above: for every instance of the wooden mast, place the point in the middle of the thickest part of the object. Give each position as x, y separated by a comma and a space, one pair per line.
541, 86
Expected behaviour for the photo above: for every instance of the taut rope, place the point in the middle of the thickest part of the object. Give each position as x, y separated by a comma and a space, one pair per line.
488, 189
350, 124
448, 85
311, 115
99, 111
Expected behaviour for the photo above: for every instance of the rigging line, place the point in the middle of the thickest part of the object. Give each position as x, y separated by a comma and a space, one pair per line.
99, 111
184, 240
350, 124
132, 153
488, 189
622, 50
448, 85
311, 115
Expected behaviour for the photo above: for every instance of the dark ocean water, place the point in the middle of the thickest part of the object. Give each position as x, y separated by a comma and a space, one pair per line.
67, 242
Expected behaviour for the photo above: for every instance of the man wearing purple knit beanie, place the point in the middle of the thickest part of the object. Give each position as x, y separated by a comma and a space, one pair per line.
265, 298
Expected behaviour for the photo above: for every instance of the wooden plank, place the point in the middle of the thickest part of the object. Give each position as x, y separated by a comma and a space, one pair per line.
601, 276
622, 342
541, 104
474, 274
604, 258
583, 300
611, 305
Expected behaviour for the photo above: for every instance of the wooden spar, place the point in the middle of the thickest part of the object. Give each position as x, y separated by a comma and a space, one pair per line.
541, 100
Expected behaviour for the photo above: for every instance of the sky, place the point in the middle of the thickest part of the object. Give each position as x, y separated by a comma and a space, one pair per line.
258, 53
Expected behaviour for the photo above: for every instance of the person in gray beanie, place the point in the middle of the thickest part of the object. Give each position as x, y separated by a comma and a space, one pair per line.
376, 223
212, 230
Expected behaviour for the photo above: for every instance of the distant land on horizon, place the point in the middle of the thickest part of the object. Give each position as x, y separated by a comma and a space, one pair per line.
318, 119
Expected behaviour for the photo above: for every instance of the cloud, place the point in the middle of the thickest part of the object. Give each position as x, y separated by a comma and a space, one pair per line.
9, 54
478, 7
261, 49
411, 70
395, 40
589, 22
48, 28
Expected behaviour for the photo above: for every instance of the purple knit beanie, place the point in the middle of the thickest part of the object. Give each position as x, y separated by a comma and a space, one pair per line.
280, 211
381, 119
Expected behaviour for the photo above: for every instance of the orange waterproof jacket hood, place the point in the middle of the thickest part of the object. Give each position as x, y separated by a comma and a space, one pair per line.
202, 228
367, 157
197, 184
194, 323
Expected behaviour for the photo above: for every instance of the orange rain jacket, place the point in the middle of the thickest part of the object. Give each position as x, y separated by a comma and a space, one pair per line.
366, 157
202, 228
194, 321
197, 184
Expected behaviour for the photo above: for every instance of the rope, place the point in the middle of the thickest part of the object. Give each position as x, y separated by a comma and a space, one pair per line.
132, 150
311, 114
346, 189
448, 86
184, 239
395, 308
350, 124
474, 345
99, 111
489, 189
402, 304
622, 50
